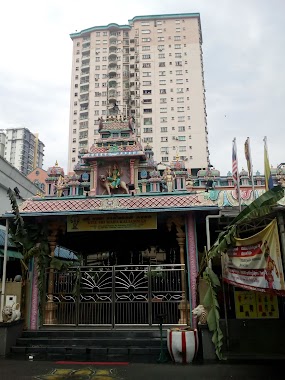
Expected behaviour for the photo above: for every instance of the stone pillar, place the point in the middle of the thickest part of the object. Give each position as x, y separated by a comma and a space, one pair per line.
132, 171
93, 178
192, 262
50, 308
180, 237
35, 297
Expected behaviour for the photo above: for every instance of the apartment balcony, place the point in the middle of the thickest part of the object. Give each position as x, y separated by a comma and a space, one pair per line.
113, 41
84, 80
112, 49
85, 64
84, 88
112, 95
112, 83
84, 107
112, 57
84, 98
83, 116
84, 72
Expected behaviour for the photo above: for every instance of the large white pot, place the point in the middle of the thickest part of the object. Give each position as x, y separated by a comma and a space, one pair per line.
182, 345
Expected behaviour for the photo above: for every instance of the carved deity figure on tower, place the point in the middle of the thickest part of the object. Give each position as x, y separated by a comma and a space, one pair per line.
168, 177
114, 177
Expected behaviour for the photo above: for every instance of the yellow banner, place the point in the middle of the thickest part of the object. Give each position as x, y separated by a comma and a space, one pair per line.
249, 304
109, 222
255, 263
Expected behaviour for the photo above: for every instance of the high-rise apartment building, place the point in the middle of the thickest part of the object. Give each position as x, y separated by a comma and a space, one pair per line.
151, 69
23, 149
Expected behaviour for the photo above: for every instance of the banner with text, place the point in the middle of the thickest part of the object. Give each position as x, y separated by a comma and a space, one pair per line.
109, 222
255, 263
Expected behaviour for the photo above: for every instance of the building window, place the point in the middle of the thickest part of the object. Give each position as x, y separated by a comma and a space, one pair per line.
181, 118
146, 56
146, 74
181, 129
163, 110
147, 83
164, 159
182, 149
178, 63
145, 48
160, 38
160, 47
163, 129
161, 64
163, 119
146, 65
145, 31
163, 100
180, 109
162, 73
180, 100
162, 91
74, 140
145, 39
178, 55
177, 38
182, 138
146, 92
161, 55
164, 139
97, 67
147, 110
147, 130
159, 30
147, 121
179, 90
148, 139
162, 82
144, 23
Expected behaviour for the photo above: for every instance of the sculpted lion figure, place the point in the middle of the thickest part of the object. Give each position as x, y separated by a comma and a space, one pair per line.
201, 313
11, 313
107, 185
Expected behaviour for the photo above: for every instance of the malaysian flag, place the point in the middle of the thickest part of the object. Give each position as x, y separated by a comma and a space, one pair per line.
235, 173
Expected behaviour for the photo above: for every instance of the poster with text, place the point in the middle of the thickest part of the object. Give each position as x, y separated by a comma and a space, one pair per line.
255, 263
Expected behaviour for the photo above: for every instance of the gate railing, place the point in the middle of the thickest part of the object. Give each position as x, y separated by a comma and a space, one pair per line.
118, 295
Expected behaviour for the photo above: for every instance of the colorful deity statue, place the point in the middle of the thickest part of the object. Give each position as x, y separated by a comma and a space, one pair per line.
114, 177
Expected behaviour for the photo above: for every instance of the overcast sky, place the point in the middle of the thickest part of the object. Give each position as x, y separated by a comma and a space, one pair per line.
244, 63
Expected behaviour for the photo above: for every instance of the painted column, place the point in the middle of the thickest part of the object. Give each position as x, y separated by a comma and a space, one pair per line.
192, 262
132, 171
94, 170
50, 306
35, 297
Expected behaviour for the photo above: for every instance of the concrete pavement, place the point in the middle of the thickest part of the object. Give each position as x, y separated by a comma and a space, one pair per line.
24, 369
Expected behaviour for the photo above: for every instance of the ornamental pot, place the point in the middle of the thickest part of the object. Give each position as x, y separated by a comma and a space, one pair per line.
182, 345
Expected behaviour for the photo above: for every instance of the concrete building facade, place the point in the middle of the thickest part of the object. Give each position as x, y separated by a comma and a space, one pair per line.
150, 69
23, 149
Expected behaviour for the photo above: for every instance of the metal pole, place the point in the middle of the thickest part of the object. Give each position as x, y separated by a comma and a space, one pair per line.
4, 269
280, 219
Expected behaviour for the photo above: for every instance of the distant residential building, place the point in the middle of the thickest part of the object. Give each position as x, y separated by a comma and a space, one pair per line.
150, 69
2, 142
23, 149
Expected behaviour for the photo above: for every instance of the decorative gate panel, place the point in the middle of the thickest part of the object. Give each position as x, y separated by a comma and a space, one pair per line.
119, 295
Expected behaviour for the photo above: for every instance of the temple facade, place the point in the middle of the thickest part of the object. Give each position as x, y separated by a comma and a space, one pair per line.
137, 234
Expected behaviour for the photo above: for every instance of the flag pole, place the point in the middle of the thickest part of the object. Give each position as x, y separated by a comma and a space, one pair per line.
237, 175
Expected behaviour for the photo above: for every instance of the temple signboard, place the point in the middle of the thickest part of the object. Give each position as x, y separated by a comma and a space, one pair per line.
109, 222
